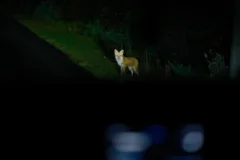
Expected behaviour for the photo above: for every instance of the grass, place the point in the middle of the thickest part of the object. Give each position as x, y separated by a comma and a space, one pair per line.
81, 50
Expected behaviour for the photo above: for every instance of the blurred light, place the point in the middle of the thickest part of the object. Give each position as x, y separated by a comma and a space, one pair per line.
192, 138
114, 129
157, 133
131, 142
192, 157
113, 154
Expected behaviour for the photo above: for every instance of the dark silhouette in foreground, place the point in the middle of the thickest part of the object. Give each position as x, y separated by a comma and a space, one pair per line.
27, 58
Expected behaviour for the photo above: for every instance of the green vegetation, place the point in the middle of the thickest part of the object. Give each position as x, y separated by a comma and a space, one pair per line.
82, 50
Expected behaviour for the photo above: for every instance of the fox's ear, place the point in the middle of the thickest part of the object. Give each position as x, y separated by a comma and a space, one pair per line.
121, 52
115, 51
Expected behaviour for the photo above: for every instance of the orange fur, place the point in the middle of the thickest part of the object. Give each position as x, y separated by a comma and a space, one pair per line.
126, 62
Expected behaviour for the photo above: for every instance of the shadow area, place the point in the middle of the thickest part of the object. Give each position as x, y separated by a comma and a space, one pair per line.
27, 58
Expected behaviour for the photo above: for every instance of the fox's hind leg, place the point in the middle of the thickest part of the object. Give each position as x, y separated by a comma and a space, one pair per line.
131, 70
135, 69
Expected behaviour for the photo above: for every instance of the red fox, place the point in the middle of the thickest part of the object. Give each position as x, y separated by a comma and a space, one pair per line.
123, 62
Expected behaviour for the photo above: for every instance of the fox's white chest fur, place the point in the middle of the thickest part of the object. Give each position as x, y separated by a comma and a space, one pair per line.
119, 60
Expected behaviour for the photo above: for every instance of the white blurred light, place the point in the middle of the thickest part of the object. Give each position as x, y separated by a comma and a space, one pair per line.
114, 129
193, 139
131, 142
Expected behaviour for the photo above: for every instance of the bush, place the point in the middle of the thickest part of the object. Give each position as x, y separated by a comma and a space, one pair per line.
46, 11
216, 65
98, 31
181, 70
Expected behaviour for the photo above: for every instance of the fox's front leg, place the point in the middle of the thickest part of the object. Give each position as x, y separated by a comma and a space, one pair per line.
123, 69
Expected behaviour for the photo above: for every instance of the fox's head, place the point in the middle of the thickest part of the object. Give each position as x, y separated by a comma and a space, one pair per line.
118, 55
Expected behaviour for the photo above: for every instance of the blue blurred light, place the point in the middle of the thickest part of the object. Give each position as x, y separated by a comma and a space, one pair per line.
191, 157
192, 138
114, 129
158, 133
131, 142
114, 154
